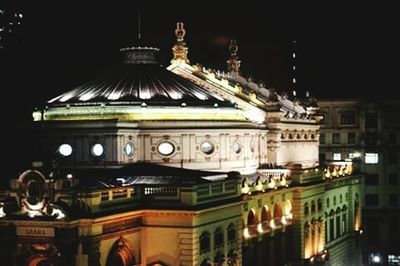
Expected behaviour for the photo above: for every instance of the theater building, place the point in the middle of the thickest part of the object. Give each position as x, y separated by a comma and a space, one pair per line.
181, 165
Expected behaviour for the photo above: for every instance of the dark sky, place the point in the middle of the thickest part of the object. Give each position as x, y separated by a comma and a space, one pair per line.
342, 50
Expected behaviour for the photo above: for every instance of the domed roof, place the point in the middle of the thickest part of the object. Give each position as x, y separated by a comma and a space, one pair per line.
140, 80
137, 90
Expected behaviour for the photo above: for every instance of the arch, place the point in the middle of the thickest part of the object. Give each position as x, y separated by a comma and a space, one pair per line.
43, 254
121, 253
277, 214
265, 215
306, 209
252, 218
38, 260
218, 238
231, 233
287, 207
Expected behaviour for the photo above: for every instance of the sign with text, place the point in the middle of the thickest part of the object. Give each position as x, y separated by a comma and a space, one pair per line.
35, 231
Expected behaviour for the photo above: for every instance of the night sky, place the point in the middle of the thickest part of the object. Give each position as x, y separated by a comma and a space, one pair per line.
342, 50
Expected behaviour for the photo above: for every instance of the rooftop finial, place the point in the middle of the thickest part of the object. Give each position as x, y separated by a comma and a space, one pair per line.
180, 50
233, 62
139, 26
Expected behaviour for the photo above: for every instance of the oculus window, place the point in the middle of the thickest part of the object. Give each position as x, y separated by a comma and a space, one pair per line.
65, 150
166, 148
207, 147
97, 149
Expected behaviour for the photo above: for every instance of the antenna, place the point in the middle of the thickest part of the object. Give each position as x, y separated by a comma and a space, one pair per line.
139, 26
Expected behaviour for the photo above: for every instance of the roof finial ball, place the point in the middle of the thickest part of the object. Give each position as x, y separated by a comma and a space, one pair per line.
180, 50
233, 61
233, 48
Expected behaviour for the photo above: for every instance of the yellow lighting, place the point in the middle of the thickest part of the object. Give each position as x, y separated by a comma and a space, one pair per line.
245, 188
271, 184
272, 224
2, 213
259, 185
246, 233
259, 228
283, 182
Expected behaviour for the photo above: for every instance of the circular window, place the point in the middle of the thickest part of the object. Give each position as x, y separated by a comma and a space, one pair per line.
129, 149
236, 147
207, 147
97, 149
166, 148
65, 150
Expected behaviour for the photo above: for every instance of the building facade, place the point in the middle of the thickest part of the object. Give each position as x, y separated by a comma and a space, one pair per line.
367, 133
180, 166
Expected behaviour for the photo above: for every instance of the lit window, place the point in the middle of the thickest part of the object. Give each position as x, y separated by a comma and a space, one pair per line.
65, 150
166, 148
129, 149
371, 158
236, 147
337, 156
207, 147
97, 149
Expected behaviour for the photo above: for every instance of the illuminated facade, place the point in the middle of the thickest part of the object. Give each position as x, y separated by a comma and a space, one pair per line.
180, 166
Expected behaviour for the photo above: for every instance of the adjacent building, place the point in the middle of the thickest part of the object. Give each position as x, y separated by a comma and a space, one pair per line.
367, 133
180, 166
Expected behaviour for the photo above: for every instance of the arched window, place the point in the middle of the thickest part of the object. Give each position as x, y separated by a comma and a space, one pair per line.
344, 218
251, 218
312, 206
205, 242
121, 253
331, 225
306, 209
277, 214
265, 215
218, 238
338, 223
231, 232
319, 205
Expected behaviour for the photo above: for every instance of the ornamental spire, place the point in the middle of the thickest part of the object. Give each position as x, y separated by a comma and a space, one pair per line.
180, 50
233, 62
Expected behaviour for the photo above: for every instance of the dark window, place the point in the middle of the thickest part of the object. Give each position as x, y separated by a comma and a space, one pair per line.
351, 138
322, 157
393, 200
372, 180
313, 206
231, 233
392, 158
348, 118
392, 138
331, 229
371, 120
371, 199
322, 138
336, 138
393, 179
344, 218
338, 226
319, 204
218, 238
371, 139
306, 209
205, 242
